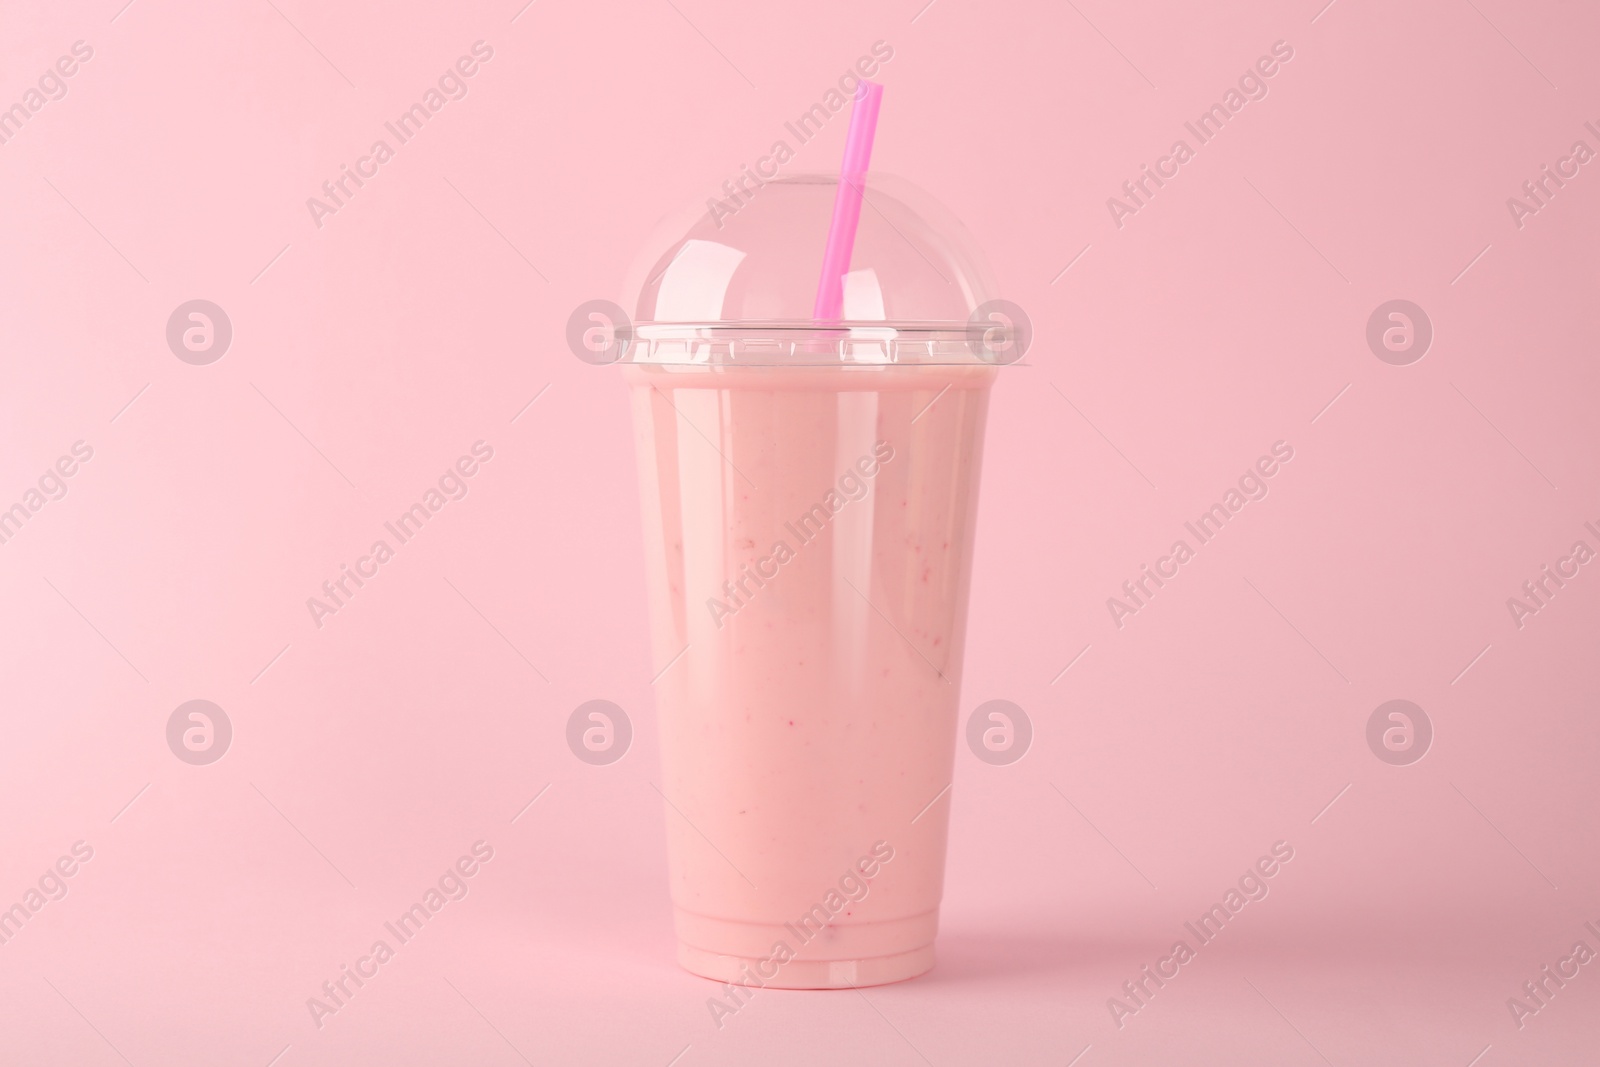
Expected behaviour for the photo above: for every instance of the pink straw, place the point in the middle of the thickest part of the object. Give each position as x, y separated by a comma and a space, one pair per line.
847, 203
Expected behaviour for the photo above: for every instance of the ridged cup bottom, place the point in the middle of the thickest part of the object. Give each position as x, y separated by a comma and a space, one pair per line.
809, 974
832, 957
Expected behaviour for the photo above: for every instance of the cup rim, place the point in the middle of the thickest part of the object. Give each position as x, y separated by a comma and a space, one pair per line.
801, 343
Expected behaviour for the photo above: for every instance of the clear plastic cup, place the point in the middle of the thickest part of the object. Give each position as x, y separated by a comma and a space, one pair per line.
809, 496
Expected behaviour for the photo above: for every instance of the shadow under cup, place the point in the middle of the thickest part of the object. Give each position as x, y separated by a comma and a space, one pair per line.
808, 534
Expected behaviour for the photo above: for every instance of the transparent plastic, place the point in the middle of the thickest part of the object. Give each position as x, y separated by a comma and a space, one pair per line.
734, 282
809, 494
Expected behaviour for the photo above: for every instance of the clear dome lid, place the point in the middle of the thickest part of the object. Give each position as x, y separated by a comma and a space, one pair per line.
735, 281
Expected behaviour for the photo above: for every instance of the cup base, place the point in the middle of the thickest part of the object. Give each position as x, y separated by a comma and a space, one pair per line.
808, 974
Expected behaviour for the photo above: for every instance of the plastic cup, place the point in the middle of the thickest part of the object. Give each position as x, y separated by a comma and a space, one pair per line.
809, 500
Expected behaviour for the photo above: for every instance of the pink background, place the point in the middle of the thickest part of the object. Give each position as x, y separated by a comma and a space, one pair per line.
1226, 315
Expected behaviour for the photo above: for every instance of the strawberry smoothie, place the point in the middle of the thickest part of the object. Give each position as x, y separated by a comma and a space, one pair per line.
808, 536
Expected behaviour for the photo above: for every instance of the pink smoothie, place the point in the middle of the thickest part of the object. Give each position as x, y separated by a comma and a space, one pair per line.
808, 534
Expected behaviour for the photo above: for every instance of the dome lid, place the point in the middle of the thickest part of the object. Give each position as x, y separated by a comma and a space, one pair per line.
735, 281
